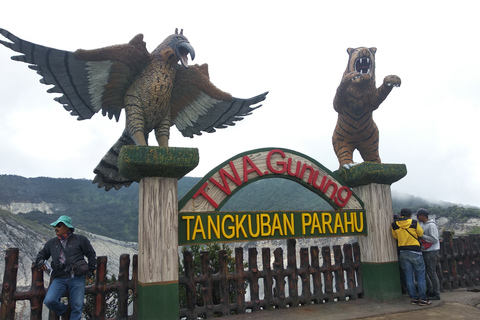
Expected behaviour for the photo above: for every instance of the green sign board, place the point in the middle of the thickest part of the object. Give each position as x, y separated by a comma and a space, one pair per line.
208, 227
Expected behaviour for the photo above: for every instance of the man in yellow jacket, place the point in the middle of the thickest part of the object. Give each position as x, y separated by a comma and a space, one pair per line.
407, 232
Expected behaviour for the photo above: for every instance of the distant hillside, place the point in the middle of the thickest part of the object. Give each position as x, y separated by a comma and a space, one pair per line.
114, 213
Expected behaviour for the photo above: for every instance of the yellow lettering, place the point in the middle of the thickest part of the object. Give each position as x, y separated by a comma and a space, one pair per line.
276, 225
288, 224
350, 222
316, 224
211, 225
188, 218
265, 223
239, 225
304, 222
326, 221
338, 223
198, 228
232, 228
361, 223
254, 235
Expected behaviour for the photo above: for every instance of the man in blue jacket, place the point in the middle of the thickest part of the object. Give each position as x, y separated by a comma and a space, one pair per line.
67, 251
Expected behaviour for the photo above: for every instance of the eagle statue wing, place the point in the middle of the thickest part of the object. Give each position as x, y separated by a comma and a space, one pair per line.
197, 105
89, 80
163, 92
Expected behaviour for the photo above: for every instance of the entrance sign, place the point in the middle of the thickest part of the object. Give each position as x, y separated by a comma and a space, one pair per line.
206, 227
201, 221
223, 181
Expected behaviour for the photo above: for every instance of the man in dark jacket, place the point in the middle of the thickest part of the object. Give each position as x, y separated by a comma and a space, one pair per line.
69, 267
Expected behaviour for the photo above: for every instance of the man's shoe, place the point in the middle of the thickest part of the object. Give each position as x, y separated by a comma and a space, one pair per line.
434, 297
414, 301
424, 302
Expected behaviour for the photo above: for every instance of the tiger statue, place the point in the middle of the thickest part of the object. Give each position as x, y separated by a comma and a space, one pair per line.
355, 100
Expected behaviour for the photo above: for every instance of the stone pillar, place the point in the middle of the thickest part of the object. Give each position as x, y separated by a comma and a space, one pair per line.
380, 270
157, 169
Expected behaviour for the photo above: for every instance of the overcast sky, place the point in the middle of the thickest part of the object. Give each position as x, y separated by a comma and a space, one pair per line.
297, 52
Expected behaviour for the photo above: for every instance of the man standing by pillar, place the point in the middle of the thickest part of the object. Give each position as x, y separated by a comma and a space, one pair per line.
430, 251
67, 251
408, 232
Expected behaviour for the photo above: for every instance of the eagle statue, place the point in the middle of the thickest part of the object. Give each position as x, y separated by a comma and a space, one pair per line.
153, 88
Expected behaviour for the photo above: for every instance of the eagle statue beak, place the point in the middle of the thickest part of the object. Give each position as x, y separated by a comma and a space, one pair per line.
182, 50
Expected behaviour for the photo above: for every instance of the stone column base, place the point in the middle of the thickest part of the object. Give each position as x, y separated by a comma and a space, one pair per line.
381, 281
158, 300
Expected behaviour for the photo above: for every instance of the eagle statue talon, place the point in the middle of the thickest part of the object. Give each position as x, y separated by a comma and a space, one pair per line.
163, 141
157, 90
139, 138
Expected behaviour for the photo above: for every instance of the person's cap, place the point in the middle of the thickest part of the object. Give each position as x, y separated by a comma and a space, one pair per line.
66, 220
422, 212
405, 212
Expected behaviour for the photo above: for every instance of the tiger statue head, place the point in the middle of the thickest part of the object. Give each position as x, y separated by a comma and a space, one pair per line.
361, 61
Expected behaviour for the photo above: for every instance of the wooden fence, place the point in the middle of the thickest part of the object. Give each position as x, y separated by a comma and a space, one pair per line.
459, 265
99, 290
320, 282
322, 275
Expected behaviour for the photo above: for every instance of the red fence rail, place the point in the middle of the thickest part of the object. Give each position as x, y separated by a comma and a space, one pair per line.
322, 275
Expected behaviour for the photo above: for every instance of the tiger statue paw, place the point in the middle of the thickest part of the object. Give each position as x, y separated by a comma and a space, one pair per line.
354, 77
392, 80
349, 165
355, 100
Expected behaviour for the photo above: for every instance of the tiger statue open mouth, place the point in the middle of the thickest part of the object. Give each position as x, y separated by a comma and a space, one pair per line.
363, 65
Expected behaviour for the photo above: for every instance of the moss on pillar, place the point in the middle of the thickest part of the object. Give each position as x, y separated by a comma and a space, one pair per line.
369, 172
136, 162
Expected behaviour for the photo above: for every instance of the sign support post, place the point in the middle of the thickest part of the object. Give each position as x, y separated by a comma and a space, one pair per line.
157, 169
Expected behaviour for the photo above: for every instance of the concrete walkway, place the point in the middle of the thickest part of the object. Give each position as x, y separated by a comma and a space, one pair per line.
456, 304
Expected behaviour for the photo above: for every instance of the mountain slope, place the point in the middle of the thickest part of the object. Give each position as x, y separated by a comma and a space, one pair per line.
114, 214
